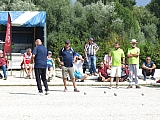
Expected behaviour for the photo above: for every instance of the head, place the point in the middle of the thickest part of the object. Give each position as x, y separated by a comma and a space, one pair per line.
148, 59
117, 45
133, 43
38, 42
49, 53
78, 57
91, 40
67, 43
101, 64
29, 51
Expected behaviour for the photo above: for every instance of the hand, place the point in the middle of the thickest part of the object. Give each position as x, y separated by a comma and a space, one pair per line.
61, 63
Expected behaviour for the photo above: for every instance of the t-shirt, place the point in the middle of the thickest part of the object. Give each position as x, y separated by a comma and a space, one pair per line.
149, 65
3, 61
116, 56
27, 58
78, 66
67, 56
133, 60
49, 61
106, 57
41, 54
103, 71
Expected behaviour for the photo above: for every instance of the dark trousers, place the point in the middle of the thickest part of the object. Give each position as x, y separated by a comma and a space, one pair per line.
146, 72
40, 73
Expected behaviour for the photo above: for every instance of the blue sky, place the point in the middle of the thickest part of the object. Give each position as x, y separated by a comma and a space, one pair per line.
139, 2
142, 2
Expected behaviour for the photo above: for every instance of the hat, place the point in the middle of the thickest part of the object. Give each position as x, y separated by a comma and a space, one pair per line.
1, 51
67, 41
49, 52
133, 41
91, 39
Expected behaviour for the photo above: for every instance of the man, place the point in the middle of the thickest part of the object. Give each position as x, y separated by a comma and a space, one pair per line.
3, 64
26, 65
106, 57
133, 54
39, 58
117, 54
91, 49
148, 68
68, 58
102, 71
78, 69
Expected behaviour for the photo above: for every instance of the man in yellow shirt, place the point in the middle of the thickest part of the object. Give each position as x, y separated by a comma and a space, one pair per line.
133, 54
117, 54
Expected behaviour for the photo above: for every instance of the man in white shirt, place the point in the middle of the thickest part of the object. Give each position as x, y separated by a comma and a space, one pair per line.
79, 76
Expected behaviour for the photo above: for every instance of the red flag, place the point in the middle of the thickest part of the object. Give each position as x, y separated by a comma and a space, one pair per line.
8, 39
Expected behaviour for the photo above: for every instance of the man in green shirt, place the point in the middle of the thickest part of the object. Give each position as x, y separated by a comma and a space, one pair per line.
117, 54
133, 54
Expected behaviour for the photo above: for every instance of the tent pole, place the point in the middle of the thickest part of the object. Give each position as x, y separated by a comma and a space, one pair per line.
34, 37
45, 35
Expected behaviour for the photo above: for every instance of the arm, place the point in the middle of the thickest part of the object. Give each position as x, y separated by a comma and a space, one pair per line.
59, 60
32, 59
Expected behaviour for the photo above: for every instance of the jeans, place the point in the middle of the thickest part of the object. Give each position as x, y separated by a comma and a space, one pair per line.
4, 68
92, 63
146, 72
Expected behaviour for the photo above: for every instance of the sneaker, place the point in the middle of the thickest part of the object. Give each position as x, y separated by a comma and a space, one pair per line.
130, 86
117, 87
95, 74
5, 78
65, 90
82, 81
76, 90
137, 86
152, 78
90, 74
29, 76
110, 87
144, 78
46, 93
40, 93
78, 80
49, 79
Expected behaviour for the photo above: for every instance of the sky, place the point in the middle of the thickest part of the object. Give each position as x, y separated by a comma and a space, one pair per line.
142, 2
139, 2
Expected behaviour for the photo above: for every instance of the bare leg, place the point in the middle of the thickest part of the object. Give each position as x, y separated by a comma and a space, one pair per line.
64, 81
74, 84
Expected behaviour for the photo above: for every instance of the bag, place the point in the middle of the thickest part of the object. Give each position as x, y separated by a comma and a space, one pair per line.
77, 74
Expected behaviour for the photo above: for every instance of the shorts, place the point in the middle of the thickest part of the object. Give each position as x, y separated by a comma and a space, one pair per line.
66, 71
27, 65
115, 71
49, 66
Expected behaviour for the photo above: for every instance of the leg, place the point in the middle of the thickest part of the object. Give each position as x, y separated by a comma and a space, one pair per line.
4, 68
43, 77
152, 73
50, 71
94, 64
26, 69
64, 76
38, 80
136, 73
90, 64
130, 74
71, 74
84, 77
30, 69
113, 74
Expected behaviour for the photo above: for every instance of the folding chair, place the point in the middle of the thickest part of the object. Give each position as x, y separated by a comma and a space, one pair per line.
22, 71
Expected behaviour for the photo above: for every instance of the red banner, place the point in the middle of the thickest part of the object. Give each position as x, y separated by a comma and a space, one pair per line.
8, 39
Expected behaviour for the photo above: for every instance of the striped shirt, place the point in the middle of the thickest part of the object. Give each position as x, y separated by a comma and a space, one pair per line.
91, 48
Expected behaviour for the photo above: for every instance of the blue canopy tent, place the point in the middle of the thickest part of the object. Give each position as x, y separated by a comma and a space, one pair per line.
27, 26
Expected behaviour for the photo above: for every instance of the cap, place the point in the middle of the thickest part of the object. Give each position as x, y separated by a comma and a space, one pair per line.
133, 41
67, 41
91, 39
49, 52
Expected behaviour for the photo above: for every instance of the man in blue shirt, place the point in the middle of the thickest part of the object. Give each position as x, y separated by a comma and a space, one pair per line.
39, 58
68, 58
148, 68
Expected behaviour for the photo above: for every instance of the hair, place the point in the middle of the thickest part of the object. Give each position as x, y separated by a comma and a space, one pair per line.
117, 43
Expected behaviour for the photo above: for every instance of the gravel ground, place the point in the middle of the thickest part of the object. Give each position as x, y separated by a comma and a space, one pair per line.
92, 103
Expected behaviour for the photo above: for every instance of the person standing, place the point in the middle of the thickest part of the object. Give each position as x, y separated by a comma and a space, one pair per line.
117, 54
133, 54
91, 49
39, 58
68, 58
